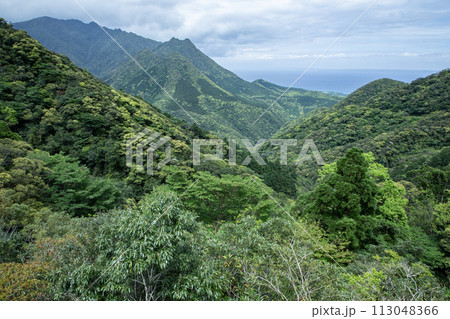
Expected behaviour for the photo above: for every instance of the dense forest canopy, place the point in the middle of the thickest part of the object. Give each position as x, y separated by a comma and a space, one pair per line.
76, 223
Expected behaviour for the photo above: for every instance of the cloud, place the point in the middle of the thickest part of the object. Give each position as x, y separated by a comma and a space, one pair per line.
241, 30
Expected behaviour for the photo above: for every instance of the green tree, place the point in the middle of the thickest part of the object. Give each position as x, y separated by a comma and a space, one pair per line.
357, 201
23, 282
216, 199
74, 190
391, 277
441, 226
431, 179
151, 252
281, 178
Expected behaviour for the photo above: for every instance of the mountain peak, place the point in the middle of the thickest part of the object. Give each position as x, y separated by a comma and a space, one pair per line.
175, 42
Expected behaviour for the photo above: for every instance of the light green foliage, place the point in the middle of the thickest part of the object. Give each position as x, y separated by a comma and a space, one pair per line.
49, 224
391, 277
22, 187
276, 260
391, 195
367, 286
21, 178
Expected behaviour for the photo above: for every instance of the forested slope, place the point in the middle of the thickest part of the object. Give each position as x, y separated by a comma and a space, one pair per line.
401, 124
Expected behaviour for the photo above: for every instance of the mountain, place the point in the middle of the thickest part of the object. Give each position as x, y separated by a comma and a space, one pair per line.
211, 106
86, 45
216, 98
219, 75
403, 125
52, 104
298, 101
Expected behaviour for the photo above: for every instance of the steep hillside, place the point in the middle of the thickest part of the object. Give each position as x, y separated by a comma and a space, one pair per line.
404, 125
57, 107
86, 44
361, 95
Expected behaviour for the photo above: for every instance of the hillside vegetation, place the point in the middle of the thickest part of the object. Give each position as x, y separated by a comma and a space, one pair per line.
403, 125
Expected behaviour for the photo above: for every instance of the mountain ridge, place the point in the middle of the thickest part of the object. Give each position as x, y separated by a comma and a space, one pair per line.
90, 46
223, 92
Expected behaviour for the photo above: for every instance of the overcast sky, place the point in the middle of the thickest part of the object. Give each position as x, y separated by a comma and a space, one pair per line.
275, 35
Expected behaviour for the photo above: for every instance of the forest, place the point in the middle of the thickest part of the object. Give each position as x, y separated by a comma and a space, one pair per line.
76, 223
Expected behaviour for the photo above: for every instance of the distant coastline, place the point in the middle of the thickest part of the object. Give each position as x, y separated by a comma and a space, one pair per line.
340, 81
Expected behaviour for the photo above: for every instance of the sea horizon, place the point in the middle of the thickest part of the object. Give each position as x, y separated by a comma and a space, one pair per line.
334, 80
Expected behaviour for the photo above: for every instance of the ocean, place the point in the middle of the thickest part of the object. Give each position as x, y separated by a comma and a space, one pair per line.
340, 81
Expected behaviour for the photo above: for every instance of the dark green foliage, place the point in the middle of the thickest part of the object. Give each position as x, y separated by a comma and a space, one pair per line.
441, 227
73, 190
432, 179
419, 246
442, 159
217, 199
5, 132
281, 178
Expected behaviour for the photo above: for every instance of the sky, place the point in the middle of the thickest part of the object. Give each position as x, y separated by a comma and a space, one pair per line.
281, 35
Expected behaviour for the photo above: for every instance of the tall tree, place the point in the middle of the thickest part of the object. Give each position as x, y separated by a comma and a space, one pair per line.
356, 201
